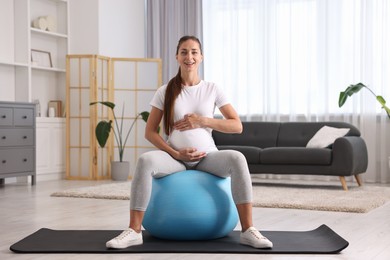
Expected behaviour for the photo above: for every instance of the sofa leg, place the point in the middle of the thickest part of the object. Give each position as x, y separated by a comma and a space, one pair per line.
358, 180
343, 183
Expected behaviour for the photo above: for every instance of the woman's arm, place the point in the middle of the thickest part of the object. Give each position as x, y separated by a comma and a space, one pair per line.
151, 131
230, 124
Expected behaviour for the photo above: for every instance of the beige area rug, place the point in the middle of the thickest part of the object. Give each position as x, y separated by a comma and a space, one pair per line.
269, 195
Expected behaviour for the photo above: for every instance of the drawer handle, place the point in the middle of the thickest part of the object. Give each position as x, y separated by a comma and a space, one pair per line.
25, 160
4, 161
25, 137
3, 116
3, 137
24, 117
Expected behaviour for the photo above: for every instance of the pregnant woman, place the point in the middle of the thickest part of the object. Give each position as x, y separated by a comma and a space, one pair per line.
186, 105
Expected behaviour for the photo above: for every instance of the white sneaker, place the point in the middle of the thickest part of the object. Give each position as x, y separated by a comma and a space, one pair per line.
127, 238
252, 237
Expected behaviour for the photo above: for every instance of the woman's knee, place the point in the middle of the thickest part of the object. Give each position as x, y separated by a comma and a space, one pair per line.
234, 155
148, 158
144, 158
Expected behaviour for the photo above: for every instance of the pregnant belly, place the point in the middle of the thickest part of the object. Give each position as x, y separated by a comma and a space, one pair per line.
198, 138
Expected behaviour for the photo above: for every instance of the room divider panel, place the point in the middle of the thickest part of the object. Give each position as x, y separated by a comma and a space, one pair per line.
87, 80
130, 83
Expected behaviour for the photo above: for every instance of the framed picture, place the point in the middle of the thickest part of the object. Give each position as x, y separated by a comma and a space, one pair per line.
41, 58
57, 107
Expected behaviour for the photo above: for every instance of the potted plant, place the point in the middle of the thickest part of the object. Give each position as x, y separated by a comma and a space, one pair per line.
119, 169
356, 88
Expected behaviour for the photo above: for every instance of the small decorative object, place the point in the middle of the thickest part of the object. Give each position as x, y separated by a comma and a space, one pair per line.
52, 112
351, 89
103, 129
51, 23
45, 23
190, 205
37, 108
41, 58
40, 23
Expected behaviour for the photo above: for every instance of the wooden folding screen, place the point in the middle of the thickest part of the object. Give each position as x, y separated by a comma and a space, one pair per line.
129, 83
134, 82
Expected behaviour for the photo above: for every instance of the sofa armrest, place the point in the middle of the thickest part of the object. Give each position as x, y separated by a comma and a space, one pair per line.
350, 155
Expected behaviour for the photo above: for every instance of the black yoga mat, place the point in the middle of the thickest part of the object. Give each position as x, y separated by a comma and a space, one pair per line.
322, 240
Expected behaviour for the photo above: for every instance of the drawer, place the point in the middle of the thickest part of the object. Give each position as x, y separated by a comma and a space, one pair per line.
16, 160
6, 116
16, 137
23, 116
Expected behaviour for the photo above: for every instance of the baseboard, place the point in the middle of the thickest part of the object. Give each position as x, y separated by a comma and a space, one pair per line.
53, 176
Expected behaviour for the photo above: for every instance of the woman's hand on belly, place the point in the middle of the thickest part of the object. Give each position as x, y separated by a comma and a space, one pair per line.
190, 121
190, 155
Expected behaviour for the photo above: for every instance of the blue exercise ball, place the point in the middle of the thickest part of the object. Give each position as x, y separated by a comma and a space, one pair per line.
190, 205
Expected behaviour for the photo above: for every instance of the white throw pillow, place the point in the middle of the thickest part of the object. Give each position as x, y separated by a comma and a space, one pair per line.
326, 136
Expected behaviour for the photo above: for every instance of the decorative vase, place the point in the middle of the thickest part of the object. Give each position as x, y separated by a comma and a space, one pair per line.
120, 171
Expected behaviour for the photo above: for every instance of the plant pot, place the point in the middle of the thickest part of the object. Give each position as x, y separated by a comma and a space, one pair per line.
120, 171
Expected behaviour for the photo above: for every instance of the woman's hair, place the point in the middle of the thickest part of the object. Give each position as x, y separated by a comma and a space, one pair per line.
174, 88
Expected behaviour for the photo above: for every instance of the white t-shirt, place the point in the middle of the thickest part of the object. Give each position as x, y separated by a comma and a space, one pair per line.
201, 99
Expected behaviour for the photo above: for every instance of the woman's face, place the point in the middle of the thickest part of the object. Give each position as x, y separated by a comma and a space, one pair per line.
189, 56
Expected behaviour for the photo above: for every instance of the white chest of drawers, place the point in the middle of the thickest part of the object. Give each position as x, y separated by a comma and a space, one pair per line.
17, 140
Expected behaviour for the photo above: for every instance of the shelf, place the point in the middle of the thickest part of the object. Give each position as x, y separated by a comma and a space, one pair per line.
16, 64
25, 65
48, 69
53, 34
25, 80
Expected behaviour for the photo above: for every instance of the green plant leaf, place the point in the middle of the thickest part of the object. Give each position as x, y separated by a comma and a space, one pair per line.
102, 132
103, 128
349, 91
342, 98
381, 100
145, 115
106, 103
356, 88
383, 103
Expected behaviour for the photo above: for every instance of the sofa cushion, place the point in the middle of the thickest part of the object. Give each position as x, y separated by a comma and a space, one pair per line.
251, 153
326, 136
259, 134
298, 134
296, 155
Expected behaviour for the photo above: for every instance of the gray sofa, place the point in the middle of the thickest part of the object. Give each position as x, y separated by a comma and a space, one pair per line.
280, 148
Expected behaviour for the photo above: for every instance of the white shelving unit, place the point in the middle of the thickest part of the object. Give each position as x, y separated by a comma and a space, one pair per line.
20, 78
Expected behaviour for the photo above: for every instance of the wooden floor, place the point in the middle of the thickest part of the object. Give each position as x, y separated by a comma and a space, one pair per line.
25, 209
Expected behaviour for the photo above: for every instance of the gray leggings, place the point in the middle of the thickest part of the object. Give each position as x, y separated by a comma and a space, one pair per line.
225, 163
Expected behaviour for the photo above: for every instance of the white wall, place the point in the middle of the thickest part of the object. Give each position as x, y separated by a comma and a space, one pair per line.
114, 28
7, 28
84, 27
121, 28
7, 92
